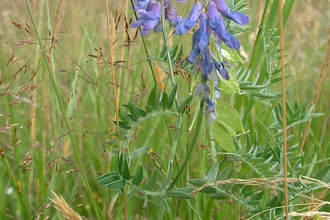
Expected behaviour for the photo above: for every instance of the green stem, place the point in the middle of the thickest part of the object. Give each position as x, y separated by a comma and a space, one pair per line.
170, 66
15, 184
172, 155
57, 94
192, 146
145, 49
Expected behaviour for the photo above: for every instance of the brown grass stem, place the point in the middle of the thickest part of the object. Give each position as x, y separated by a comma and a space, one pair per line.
116, 98
317, 95
284, 135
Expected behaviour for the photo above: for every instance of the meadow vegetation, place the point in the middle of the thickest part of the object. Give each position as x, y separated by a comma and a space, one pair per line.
69, 80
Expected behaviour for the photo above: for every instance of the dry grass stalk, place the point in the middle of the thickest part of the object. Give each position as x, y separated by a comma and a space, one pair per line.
270, 183
317, 95
58, 20
64, 208
112, 206
319, 215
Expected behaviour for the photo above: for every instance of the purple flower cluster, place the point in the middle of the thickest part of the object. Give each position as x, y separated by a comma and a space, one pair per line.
211, 23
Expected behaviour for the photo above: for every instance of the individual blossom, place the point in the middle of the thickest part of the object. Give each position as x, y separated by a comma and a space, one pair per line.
207, 66
141, 3
201, 89
204, 91
239, 18
200, 39
220, 68
149, 18
218, 26
171, 15
204, 35
188, 23
211, 115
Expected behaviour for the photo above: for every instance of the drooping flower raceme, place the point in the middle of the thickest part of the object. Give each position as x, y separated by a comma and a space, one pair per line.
211, 22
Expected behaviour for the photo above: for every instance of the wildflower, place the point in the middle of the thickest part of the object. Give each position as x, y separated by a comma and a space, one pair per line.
238, 17
171, 15
188, 23
150, 18
211, 115
193, 55
204, 36
221, 69
201, 56
202, 89
141, 3
217, 24
207, 66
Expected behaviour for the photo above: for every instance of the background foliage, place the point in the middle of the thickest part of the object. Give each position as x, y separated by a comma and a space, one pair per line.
57, 116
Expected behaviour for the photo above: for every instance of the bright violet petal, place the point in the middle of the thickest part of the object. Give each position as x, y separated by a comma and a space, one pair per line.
221, 69
207, 65
221, 5
138, 23
154, 13
187, 24
231, 41
193, 55
204, 34
148, 25
239, 18
171, 16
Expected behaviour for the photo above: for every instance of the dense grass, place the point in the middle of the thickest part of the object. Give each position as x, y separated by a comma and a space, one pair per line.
57, 113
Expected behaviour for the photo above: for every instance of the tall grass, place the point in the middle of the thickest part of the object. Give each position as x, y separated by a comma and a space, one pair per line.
69, 71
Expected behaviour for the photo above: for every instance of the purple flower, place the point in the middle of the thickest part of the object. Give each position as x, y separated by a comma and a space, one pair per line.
200, 39
171, 15
149, 18
217, 24
141, 3
186, 24
221, 69
202, 89
210, 110
207, 66
193, 55
238, 17
204, 36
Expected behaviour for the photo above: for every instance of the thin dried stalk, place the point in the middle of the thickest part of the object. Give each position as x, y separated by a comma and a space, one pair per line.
317, 95
270, 183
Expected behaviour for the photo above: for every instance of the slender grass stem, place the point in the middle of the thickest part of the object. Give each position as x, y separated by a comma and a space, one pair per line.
66, 121
169, 62
116, 98
192, 146
173, 152
145, 49
324, 71
285, 163
15, 184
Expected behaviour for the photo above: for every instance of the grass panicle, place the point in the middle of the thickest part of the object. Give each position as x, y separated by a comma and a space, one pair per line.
112, 120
